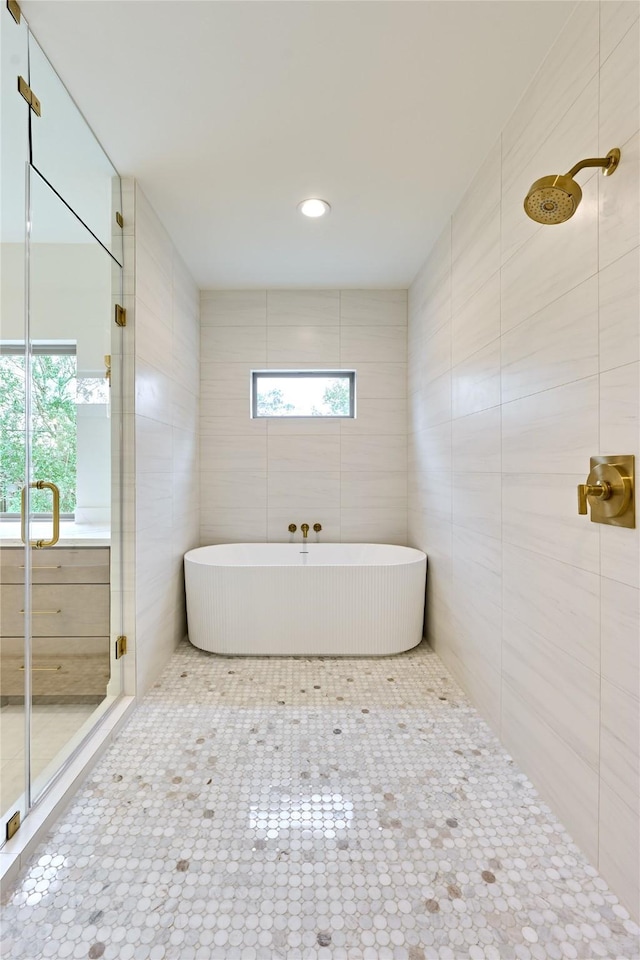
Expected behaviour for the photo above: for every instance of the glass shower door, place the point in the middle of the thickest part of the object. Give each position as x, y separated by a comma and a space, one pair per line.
61, 426
69, 503
14, 146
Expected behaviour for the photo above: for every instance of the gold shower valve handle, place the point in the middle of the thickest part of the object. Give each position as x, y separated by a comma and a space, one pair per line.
609, 491
601, 490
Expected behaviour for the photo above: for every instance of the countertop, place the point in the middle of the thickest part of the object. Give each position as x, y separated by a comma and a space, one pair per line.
71, 534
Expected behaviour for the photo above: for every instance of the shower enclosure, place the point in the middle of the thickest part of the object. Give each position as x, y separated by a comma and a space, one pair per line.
61, 402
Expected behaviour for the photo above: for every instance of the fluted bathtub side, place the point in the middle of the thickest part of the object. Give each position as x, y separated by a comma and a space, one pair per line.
338, 600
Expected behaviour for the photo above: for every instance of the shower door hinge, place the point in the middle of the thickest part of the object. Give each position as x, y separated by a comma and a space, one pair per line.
14, 9
121, 647
25, 91
119, 219
13, 825
121, 316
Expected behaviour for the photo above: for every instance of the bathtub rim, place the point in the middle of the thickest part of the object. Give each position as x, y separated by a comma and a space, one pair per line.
413, 556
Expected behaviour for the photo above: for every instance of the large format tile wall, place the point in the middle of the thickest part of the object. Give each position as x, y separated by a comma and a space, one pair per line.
123, 520
523, 363
167, 387
257, 476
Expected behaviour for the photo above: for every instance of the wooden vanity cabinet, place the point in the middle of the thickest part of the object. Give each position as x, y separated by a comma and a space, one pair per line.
70, 600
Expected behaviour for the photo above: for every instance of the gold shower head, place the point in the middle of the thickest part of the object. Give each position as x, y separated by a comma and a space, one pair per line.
555, 199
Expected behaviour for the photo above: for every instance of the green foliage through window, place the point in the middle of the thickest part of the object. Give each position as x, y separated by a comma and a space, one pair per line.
271, 404
53, 426
303, 393
336, 398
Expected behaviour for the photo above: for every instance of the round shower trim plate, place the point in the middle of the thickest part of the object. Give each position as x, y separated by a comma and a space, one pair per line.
614, 157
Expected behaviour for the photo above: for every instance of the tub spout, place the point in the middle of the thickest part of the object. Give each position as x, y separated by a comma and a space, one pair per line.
305, 530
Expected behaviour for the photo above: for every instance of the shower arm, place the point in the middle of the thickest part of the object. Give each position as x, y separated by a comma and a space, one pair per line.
605, 162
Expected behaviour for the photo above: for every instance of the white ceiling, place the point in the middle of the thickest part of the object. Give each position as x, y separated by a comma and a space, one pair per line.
230, 113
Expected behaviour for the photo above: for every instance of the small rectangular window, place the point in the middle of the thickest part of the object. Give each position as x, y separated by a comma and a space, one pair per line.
303, 393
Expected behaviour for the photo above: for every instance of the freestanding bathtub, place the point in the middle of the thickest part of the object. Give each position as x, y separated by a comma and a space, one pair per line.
275, 599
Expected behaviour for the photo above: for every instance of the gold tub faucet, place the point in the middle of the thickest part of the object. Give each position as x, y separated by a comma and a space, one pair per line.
305, 530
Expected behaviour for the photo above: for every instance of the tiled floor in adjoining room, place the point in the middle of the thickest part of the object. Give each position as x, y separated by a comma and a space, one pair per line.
53, 727
305, 808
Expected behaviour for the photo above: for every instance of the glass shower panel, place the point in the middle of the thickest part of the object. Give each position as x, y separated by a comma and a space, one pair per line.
72, 338
14, 153
68, 155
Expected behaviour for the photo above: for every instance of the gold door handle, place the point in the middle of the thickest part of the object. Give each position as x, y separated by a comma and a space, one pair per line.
55, 494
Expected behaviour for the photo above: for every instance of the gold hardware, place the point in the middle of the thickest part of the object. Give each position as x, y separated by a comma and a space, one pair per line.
44, 566
44, 669
13, 825
305, 529
107, 363
614, 159
41, 544
610, 163
43, 613
121, 647
609, 491
600, 490
119, 219
121, 316
25, 91
292, 528
317, 527
554, 199
14, 9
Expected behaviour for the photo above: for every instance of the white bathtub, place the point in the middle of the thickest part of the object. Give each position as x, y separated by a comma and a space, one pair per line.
272, 599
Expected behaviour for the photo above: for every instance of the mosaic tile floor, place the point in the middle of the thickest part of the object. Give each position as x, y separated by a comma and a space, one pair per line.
310, 810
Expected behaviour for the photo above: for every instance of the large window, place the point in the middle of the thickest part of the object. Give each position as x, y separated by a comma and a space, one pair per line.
56, 393
303, 393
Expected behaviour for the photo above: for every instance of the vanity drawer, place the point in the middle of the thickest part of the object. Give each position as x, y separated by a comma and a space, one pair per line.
47, 647
58, 610
61, 668
57, 565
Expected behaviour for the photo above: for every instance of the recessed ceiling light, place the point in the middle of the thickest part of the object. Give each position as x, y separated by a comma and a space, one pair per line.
314, 207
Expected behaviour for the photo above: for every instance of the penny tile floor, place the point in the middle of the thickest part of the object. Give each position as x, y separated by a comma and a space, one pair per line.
310, 809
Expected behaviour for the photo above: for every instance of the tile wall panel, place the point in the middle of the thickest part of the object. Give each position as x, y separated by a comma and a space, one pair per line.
574, 135
535, 369
477, 323
167, 388
616, 17
126, 487
257, 476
